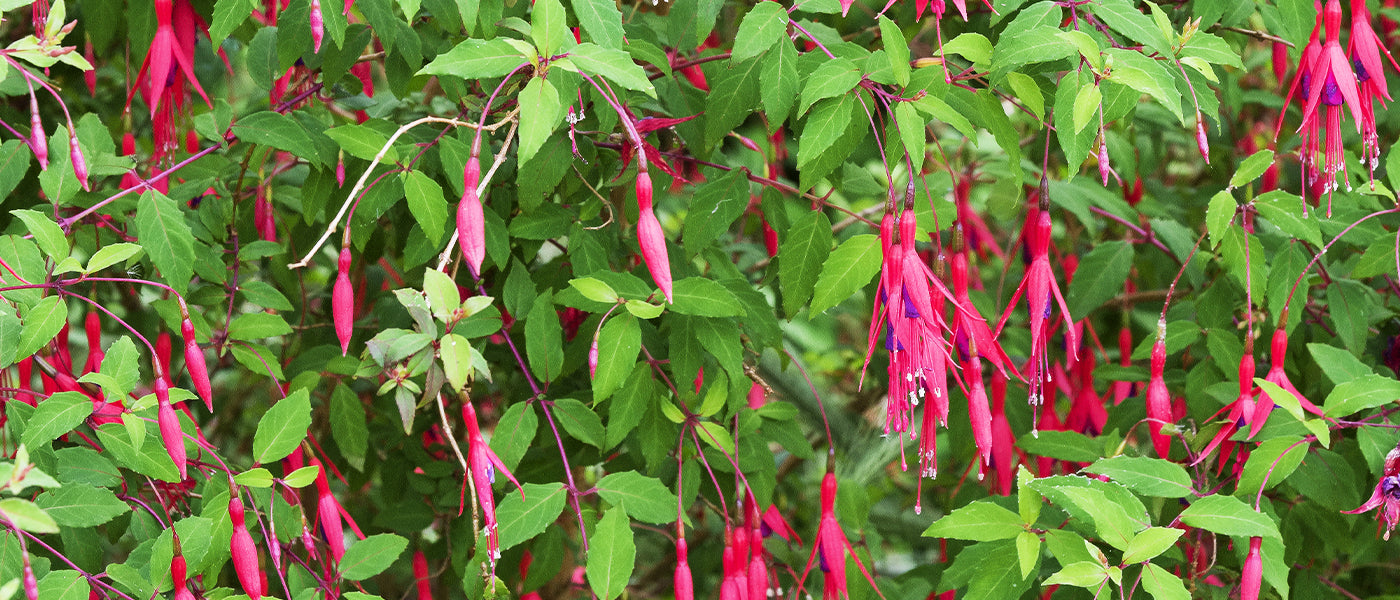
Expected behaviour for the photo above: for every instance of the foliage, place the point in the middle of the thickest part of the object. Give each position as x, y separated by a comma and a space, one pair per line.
625, 256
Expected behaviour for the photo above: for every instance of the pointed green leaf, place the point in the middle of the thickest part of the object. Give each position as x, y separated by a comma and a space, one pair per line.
282, 427
371, 556
849, 268
800, 258
612, 554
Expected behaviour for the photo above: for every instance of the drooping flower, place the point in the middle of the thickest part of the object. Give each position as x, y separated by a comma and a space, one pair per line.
168, 65
1159, 409
343, 302
170, 434
1042, 292
1386, 496
1238, 414
1327, 80
241, 548
1278, 349
484, 463
650, 237
1366, 47
471, 216
684, 585
328, 514
1003, 439
830, 548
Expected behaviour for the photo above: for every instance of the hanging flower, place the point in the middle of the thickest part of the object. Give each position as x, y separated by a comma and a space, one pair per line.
1386, 496
831, 545
1366, 47
483, 463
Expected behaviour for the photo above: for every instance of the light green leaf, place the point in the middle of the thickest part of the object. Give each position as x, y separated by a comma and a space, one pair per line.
612, 554
56, 415
1150, 543
362, 141
268, 128
1146, 476
302, 477
703, 297
371, 556
763, 27
520, 520
476, 59
42, 323
780, 83
979, 522
1219, 215
601, 20
81, 505
619, 342
594, 290
1360, 394
112, 254
1125, 18
26, 516
539, 114
1252, 167
972, 46
1228, 516
1162, 584
442, 293
896, 48
833, 78
547, 26
256, 326
613, 64
1086, 574
643, 498
1086, 104
1034, 45
1027, 551
257, 477
1285, 211
47, 234
167, 238
282, 427
426, 203
848, 269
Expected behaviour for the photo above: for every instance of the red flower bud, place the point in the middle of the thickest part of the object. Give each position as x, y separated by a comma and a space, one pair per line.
685, 586
1159, 408
75, 153
163, 353
757, 396
263, 215
1202, 143
194, 362
471, 229
343, 302
93, 326
38, 140
245, 555
1252, 574
650, 237
328, 513
178, 575
340, 170
421, 577
593, 357
169, 422
90, 75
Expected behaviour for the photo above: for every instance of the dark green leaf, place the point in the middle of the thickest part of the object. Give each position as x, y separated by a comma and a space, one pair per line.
167, 238
520, 520
80, 505
800, 258
618, 345
56, 415
702, 297
1099, 278
643, 498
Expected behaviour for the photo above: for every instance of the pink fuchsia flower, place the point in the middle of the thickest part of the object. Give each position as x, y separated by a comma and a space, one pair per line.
650, 237
484, 463
1278, 349
1042, 292
471, 216
830, 548
1366, 48
1252, 575
1332, 84
1239, 414
1159, 404
168, 65
1386, 496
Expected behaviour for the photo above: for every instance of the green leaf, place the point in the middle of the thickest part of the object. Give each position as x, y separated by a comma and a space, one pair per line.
348, 425
282, 427
544, 339
24, 257
1339, 365
426, 202
1150, 543
1252, 167
762, 28
442, 293
228, 16
833, 78
780, 83
1028, 501
41, 324
911, 133
539, 114
256, 477
580, 421
1360, 394
1125, 18
629, 405
371, 556
1062, 445
1162, 584
1086, 574
112, 254
848, 269
1228, 516
739, 86
268, 128
1275, 459
1285, 211
613, 64
979, 522
714, 208
594, 290
64, 585
167, 238
26, 516
81, 505
717, 437
896, 48
1034, 45
458, 360
643, 498
56, 415
1146, 75
601, 20
800, 258
302, 477
619, 342
1088, 48
825, 125
514, 432
362, 141
972, 46
520, 520
1099, 278
257, 326
476, 59
612, 554
1212, 49
703, 297
1086, 104
1146, 476
1219, 215
547, 26
47, 234
1027, 551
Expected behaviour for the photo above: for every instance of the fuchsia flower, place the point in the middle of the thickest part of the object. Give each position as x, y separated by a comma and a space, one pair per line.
241, 548
1041, 292
484, 462
328, 513
170, 434
1159, 404
169, 64
1239, 414
1366, 48
471, 216
831, 545
650, 237
684, 585
343, 302
1327, 79
1277, 351
1252, 575
1386, 496
1003, 440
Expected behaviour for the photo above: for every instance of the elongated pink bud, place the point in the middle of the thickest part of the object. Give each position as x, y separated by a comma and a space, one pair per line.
80, 169
1159, 404
343, 302
651, 238
471, 230
1253, 573
169, 422
328, 513
31, 585
1202, 143
93, 326
38, 140
318, 25
90, 75
593, 357
194, 362
241, 548
980, 414
340, 170
263, 217
685, 586
178, 575
1104, 169
421, 576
